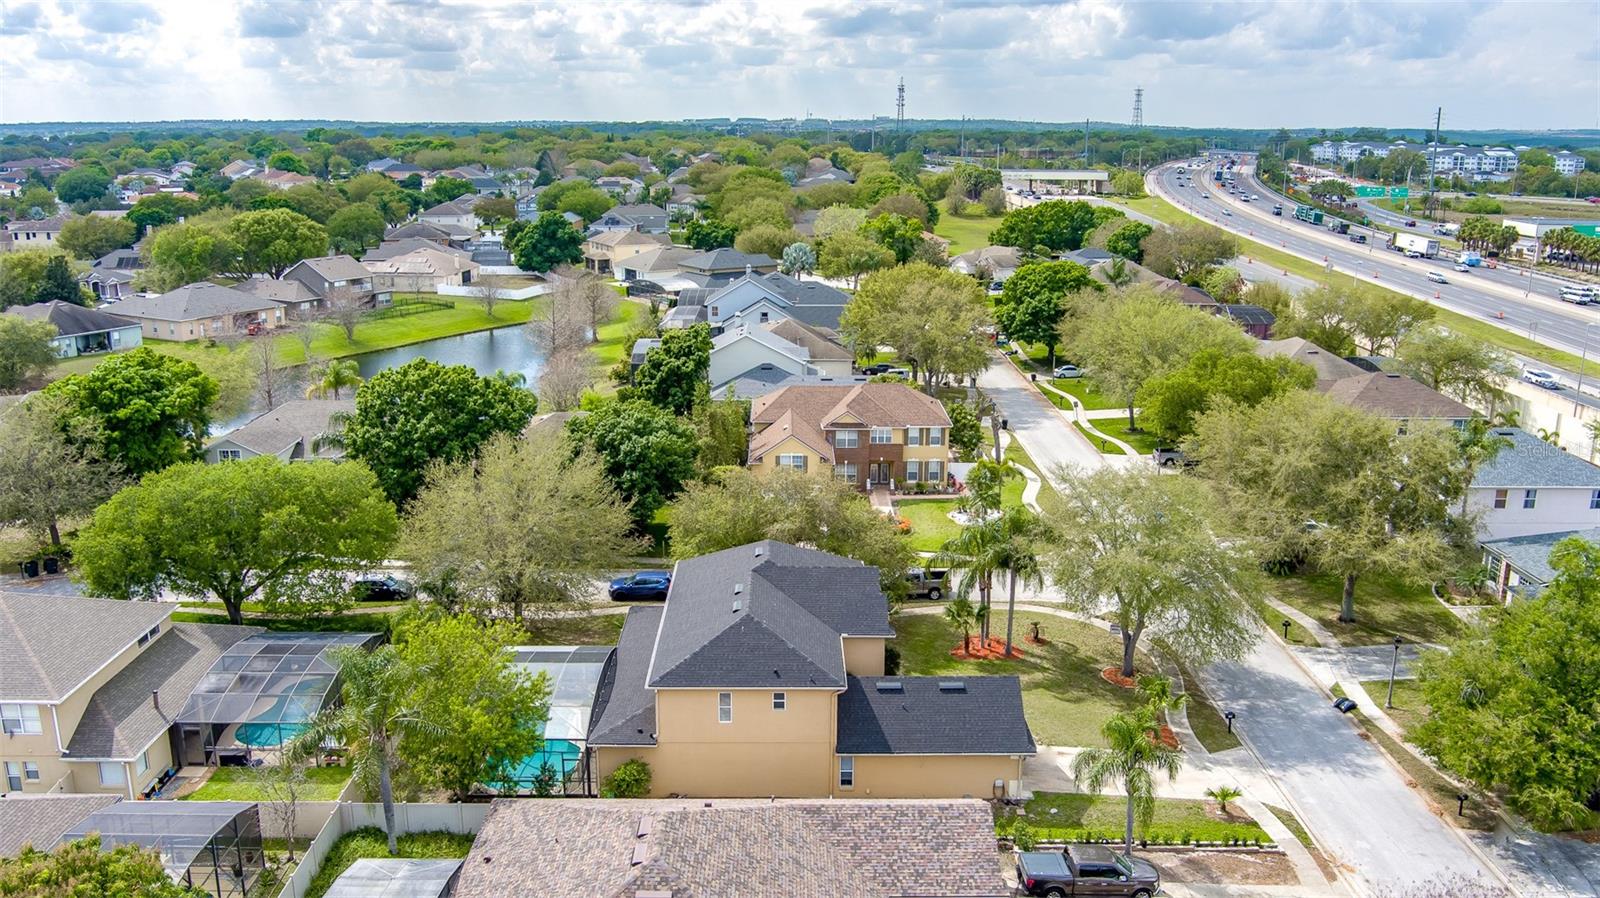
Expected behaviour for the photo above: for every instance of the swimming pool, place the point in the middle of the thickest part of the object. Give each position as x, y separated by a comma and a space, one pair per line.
562, 755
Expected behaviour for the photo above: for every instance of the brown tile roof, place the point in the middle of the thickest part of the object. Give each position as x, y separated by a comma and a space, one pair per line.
1394, 396
753, 849
790, 424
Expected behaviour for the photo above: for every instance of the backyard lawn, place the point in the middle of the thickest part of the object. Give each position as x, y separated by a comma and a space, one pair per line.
1074, 817
1385, 608
931, 525
239, 784
966, 232
369, 841
593, 629
1063, 696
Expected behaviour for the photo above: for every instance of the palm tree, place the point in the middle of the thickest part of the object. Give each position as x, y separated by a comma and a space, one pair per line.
511, 378
333, 377
1020, 560
960, 615
1479, 444
377, 709
1132, 759
1224, 794
976, 552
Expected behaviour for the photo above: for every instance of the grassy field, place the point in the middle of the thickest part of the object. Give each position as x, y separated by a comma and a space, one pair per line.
1072, 817
369, 841
966, 232
239, 784
1385, 608
1142, 441
1063, 696
931, 525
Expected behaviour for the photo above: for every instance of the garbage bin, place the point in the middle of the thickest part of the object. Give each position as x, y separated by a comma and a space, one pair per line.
1033, 376
1344, 705
1005, 423
30, 568
52, 565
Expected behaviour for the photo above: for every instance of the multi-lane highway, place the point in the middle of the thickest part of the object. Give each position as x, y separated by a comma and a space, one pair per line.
1514, 301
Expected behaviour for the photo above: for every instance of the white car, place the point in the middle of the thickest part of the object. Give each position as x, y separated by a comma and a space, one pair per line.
1460, 267
1437, 278
1068, 371
1541, 379
1227, 213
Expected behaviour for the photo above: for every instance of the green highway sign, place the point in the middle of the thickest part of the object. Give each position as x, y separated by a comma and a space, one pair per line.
1362, 190
1588, 230
1399, 192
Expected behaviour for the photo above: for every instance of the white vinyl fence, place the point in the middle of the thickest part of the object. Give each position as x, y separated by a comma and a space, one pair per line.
464, 819
470, 290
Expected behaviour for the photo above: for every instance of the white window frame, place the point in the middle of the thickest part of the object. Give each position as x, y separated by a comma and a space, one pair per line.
1530, 499
882, 436
936, 436
21, 720
121, 773
913, 436
780, 701
30, 771
724, 707
229, 455
933, 472
847, 471
847, 772
13, 776
1502, 498
913, 470
789, 459
1594, 499
142, 763
846, 439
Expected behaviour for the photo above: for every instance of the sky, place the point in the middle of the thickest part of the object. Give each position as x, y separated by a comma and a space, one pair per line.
1527, 64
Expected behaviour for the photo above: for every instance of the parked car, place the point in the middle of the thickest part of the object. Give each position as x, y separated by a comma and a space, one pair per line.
1067, 371
1411, 222
899, 372
1170, 457
1437, 278
381, 588
878, 368
1080, 870
641, 587
928, 584
1541, 379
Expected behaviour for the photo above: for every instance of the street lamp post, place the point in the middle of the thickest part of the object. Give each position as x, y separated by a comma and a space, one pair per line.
1394, 667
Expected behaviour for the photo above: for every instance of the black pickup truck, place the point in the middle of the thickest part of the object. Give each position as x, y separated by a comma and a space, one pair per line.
1078, 871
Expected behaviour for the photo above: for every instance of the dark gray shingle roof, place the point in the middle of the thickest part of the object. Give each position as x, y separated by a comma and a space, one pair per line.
983, 717
1531, 462
1530, 554
51, 644
765, 614
70, 319
40, 820
624, 708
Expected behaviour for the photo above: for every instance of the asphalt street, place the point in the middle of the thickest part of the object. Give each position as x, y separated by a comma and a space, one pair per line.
1041, 429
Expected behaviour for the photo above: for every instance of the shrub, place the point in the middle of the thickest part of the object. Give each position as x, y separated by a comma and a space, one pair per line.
544, 782
1023, 836
631, 779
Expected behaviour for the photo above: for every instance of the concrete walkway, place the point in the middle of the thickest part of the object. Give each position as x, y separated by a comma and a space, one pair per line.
1083, 419
1041, 429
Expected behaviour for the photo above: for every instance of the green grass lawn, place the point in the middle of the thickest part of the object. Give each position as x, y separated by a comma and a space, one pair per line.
239, 784
1105, 446
1063, 696
594, 629
1087, 392
1385, 608
369, 841
1142, 441
966, 232
931, 525
609, 350
1073, 817
1409, 707
373, 622
1205, 718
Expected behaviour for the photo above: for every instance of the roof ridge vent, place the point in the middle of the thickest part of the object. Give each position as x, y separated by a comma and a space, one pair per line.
644, 825
738, 588
738, 606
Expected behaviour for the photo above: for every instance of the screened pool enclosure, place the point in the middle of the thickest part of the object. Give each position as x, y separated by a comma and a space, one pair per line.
574, 676
214, 846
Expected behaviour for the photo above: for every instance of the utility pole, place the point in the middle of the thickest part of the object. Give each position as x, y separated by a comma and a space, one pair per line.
1085, 142
1433, 148
963, 138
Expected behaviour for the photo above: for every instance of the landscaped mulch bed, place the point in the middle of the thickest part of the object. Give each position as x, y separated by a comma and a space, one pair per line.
975, 650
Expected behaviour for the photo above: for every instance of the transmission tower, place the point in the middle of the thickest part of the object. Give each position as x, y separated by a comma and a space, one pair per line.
900, 106
1138, 107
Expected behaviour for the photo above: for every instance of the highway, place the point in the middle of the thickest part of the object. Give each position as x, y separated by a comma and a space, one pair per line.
1498, 296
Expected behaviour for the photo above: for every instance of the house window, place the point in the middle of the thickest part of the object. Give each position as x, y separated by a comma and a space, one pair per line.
112, 773
779, 701
1594, 499
13, 776
764, 317
30, 771
935, 472
913, 470
1530, 498
713, 311
847, 772
20, 720
882, 434
142, 763
847, 439
150, 634
228, 455
846, 472
797, 462
724, 707
936, 436
1500, 497
913, 436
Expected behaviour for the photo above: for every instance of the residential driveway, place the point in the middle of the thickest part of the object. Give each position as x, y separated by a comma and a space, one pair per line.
1346, 792
1036, 424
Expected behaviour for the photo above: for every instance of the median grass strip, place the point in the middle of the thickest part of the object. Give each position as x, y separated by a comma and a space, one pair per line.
1205, 718
1384, 608
1087, 392
242, 784
1073, 817
1409, 710
1105, 446
1143, 441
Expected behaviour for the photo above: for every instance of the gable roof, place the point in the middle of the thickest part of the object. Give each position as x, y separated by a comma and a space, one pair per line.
278, 290
289, 428
821, 344
71, 319
333, 268
121, 718
667, 258
750, 848
1530, 554
199, 300
625, 708
951, 715
125, 258
52, 644
399, 246
637, 211
1395, 396
1530, 462
765, 614
1327, 365
726, 259
53, 223
423, 261
628, 238
426, 230
873, 404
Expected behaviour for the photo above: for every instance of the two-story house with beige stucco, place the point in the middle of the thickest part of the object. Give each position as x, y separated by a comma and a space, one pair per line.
869, 434
763, 675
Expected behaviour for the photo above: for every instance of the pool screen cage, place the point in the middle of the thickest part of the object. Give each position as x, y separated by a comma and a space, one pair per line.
573, 673
261, 693
214, 846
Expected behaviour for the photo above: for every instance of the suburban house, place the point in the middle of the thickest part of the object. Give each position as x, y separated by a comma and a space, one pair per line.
420, 269
872, 434
527, 207
1520, 565
658, 849
241, 168
829, 175
602, 252
624, 189
296, 298
109, 284
785, 345
282, 180
1328, 366
455, 216
763, 676
41, 234
82, 331
327, 275
652, 265
995, 264
760, 298
288, 432
719, 267
647, 218
202, 310
1252, 319
1532, 487
421, 230
685, 202
1396, 396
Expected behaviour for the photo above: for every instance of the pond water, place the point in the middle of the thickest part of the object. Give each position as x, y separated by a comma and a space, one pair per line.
501, 349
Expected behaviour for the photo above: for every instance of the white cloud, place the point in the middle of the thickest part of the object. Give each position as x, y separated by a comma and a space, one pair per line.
1263, 64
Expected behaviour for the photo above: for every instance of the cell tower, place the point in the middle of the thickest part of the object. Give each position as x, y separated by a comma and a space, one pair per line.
900, 106
1138, 107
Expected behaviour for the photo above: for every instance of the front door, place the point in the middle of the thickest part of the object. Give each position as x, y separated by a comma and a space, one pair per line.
880, 472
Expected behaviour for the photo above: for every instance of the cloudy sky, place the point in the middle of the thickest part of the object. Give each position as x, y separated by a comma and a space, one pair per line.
1500, 63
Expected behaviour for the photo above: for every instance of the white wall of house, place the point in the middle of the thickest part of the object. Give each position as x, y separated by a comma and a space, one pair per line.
1554, 509
744, 353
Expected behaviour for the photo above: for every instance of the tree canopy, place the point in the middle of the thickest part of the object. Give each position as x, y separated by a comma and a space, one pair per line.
149, 410
931, 316
1033, 301
25, 350
1057, 225
674, 372
549, 242
80, 869
648, 453
50, 466
1169, 404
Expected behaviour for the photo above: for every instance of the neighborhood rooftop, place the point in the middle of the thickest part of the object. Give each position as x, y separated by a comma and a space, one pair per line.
52, 644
